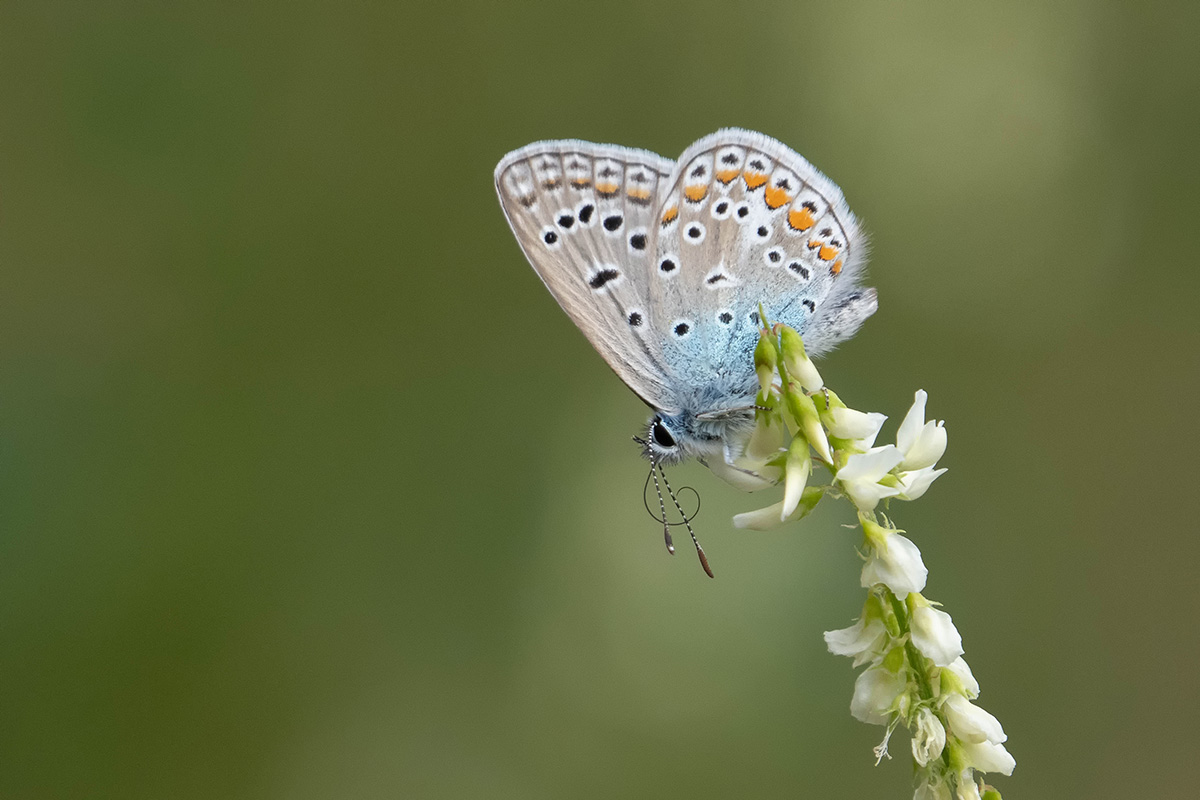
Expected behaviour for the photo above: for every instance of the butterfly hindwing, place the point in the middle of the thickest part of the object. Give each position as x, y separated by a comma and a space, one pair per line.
584, 215
745, 220
663, 264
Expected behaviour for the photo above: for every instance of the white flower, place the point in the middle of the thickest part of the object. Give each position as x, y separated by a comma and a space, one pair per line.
875, 692
896, 563
922, 443
846, 423
934, 634
861, 474
861, 641
971, 723
916, 482
929, 737
961, 674
989, 757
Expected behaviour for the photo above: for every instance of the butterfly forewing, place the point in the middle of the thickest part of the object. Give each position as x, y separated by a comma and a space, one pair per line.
585, 215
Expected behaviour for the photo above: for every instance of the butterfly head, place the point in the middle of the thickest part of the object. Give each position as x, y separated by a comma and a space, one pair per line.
661, 444
672, 438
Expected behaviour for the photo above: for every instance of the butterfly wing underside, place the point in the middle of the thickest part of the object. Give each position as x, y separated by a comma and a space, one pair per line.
585, 216
745, 220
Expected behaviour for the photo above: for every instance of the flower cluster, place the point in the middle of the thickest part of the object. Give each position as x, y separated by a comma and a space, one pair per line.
915, 675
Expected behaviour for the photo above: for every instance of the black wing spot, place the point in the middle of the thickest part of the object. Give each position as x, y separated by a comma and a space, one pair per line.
694, 232
799, 269
725, 317
607, 172
613, 222
810, 205
698, 172
762, 231
754, 317
639, 177
715, 279
809, 304
635, 319
729, 158
638, 241
682, 328
550, 236
782, 183
826, 231
774, 256
602, 277
743, 211
585, 213
722, 206
566, 221
758, 165
667, 265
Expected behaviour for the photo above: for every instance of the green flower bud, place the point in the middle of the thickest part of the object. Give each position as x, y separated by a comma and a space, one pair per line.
766, 361
804, 412
796, 360
795, 475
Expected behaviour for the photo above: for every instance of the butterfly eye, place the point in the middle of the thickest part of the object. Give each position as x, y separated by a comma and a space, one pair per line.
662, 436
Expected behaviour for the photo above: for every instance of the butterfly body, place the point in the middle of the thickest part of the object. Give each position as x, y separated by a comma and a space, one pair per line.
663, 265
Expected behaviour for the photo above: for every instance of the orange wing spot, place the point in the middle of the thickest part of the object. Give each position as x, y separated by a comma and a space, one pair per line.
755, 179
801, 220
827, 253
813, 244
836, 268
775, 197
670, 216
639, 194
726, 175
695, 193
581, 183
606, 188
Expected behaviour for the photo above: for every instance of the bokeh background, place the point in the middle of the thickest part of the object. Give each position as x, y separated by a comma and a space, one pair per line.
309, 490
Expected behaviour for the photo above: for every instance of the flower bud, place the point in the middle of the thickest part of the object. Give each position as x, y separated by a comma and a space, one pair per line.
764, 519
766, 360
795, 475
805, 414
795, 360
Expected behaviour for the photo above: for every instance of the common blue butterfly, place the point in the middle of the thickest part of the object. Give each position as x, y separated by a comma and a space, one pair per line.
663, 264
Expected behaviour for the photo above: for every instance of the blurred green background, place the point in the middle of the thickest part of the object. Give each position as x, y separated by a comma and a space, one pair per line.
309, 490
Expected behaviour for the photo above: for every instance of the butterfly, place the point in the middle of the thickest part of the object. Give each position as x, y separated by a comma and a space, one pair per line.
663, 265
